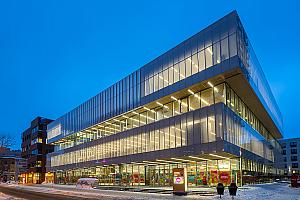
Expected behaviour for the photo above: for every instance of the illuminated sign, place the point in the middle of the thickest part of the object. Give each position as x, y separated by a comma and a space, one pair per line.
224, 177
179, 181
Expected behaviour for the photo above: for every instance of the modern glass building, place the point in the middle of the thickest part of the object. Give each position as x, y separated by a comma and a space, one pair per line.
204, 105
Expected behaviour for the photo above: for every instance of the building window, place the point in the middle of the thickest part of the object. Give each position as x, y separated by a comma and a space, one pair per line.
283, 152
283, 145
284, 159
232, 45
293, 151
294, 158
38, 163
285, 166
208, 56
216, 53
293, 144
35, 129
192, 63
224, 49
35, 152
36, 140
294, 165
201, 60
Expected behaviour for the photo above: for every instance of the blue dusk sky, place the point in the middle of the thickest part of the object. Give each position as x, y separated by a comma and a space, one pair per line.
54, 55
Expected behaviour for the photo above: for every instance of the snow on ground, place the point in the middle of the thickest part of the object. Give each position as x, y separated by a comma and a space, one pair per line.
7, 197
274, 191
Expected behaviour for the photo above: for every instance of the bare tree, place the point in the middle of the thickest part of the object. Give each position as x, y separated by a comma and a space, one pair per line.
6, 141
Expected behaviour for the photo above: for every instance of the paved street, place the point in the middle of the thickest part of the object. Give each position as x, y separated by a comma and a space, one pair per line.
69, 192
43, 192
14, 193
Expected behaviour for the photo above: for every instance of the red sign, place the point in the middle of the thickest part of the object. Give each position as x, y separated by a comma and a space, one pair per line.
224, 177
294, 180
214, 176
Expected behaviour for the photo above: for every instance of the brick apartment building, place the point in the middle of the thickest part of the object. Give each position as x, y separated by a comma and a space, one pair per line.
34, 149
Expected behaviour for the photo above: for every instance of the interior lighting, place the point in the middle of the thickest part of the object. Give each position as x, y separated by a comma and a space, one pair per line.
211, 85
174, 98
208, 49
198, 158
190, 91
218, 156
183, 160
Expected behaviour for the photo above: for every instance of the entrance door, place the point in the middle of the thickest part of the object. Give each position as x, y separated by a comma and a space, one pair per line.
154, 175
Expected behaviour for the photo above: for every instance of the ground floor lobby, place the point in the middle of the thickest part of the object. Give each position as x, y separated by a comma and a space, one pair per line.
31, 178
158, 173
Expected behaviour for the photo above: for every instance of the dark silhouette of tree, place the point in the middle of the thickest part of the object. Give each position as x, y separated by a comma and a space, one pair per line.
6, 141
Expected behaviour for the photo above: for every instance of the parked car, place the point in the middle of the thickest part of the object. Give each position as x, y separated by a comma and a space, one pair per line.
11, 182
87, 183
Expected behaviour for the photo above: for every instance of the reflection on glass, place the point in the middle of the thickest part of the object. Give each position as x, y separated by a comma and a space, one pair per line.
161, 80
207, 97
232, 45
166, 78
176, 73
224, 49
211, 128
188, 67
201, 59
171, 76
208, 56
204, 58
156, 82
182, 70
195, 65
219, 92
216, 53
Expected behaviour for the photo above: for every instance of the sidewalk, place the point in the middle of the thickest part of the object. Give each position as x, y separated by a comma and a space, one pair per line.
201, 191
70, 190
274, 191
106, 187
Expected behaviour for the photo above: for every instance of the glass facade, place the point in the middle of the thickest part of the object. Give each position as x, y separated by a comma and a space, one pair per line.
207, 54
180, 104
196, 127
117, 99
256, 76
195, 100
130, 92
209, 172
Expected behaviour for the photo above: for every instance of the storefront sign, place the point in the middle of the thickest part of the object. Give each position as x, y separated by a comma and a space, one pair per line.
136, 177
179, 181
214, 176
225, 177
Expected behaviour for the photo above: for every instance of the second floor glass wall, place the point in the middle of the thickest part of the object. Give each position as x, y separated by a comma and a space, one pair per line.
197, 127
